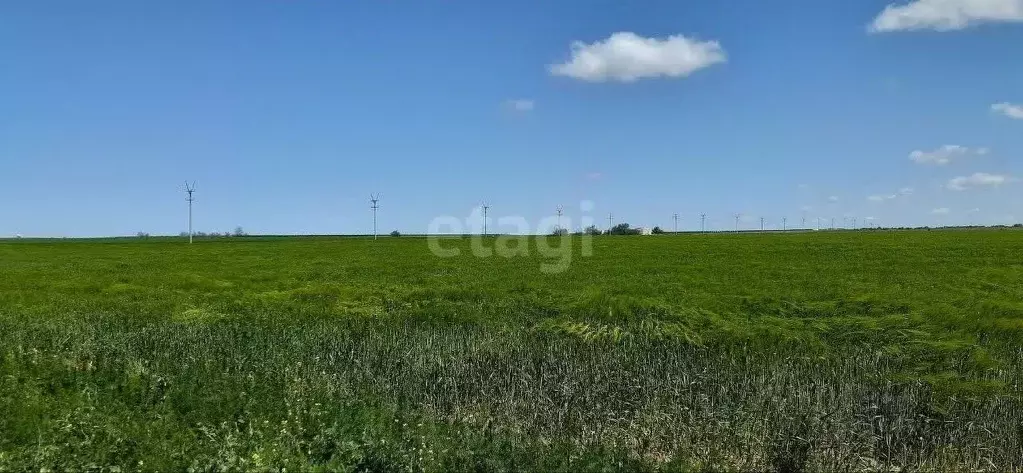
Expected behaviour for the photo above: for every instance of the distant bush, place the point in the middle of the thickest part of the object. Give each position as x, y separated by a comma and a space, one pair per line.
396, 233
559, 232
592, 230
624, 229
238, 232
657, 231
142, 235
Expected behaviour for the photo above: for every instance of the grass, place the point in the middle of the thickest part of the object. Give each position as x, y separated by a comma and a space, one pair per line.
788, 352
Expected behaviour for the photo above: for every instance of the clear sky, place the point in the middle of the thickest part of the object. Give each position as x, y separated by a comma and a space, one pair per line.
288, 114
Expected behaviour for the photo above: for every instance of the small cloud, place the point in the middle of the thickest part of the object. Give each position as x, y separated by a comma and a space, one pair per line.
803, 186
1009, 110
945, 154
833, 198
905, 191
520, 105
627, 57
977, 179
806, 208
940, 211
593, 176
945, 15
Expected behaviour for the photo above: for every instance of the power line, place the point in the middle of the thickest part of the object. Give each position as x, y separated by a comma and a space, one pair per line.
190, 188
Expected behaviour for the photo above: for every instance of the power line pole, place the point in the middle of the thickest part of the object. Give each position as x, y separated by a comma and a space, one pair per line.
854, 223
761, 224
560, 211
190, 188
610, 220
675, 216
784, 224
374, 199
818, 224
737, 223
485, 208
703, 223
832, 223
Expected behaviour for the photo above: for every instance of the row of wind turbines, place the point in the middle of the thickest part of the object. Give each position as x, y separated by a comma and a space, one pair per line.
374, 200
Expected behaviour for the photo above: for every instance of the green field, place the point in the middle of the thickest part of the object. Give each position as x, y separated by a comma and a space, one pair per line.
803, 351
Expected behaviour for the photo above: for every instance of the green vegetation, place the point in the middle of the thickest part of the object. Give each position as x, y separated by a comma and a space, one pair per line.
827, 351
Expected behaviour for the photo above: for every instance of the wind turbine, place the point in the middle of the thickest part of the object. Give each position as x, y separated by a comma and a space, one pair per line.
190, 188
485, 208
374, 199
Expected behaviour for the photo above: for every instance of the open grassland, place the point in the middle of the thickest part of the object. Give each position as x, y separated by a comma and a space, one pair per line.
808, 351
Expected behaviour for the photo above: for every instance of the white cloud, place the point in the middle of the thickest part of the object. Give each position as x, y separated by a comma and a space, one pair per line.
833, 198
940, 211
593, 176
1009, 110
627, 57
945, 15
521, 105
945, 154
906, 191
977, 179
806, 208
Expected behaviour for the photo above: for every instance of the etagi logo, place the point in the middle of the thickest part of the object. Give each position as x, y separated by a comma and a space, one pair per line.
550, 237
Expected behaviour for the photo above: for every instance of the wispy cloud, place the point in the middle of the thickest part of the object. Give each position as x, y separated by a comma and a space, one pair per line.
1008, 109
945, 154
940, 211
833, 198
978, 179
520, 105
905, 191
593, 176
627, 57
945, 15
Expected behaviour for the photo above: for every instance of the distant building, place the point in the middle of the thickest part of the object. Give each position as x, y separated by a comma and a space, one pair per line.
645, 230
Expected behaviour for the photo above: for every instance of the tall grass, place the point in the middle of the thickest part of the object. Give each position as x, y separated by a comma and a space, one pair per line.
319, 354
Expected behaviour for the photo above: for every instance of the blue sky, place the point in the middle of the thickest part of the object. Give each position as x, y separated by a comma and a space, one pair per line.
289, 114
